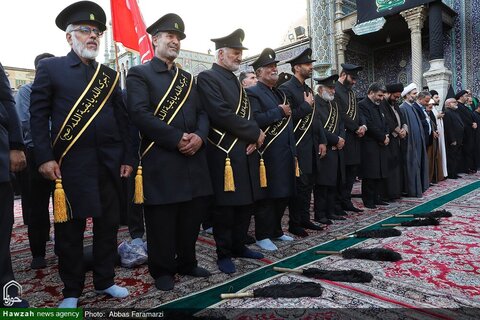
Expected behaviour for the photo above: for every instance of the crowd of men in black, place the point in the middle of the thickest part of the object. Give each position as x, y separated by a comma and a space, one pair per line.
213, 150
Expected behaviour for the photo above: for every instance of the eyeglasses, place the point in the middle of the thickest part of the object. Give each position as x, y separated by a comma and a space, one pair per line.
87, 31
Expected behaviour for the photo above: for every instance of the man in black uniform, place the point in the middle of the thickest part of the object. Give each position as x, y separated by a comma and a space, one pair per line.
234, 165
374, 154
397, 129
273, 115
310, 140
454, 135
355, 129
172, 154
470, 126
85, 149
330, 169
12, 159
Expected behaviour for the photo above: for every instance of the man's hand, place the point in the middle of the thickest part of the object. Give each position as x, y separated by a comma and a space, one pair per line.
386, 141
260, 139
402, 133
435, 134
340, 143
308, 98
183, 142
18, 162
50, 170
360, 131
474, 125
251, 148
454, 143
194, 142
287, 111
322, 150
440, 115
125, 171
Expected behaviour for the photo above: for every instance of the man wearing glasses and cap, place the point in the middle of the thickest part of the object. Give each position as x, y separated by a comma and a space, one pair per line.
85, 149
231, 151
176, 179
355, 129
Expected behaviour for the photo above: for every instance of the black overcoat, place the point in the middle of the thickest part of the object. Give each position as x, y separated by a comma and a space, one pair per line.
58, 84
168, 175
279, 156
219, 91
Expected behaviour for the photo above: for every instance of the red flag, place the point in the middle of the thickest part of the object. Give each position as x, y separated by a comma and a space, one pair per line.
129, 29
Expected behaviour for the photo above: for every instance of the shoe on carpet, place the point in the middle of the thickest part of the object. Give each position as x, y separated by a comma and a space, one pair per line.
381, 203
311, 226
370, 206
284, 237
68, 303
38, 263
298, 231
335, 217
324, 221
165, 283
250, 254
114, 291
197, 272
267, 244
226, 265
341, 213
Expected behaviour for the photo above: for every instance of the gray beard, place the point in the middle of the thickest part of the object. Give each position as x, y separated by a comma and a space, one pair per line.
327, 97
81, 49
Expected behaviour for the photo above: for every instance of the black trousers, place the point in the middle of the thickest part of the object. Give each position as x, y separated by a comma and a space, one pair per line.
230, 226
135, 220
268, 217
69, 243
36, 193
351, 172
453, 157
324, 199
172, 231
6, 223
299, 207
371, 190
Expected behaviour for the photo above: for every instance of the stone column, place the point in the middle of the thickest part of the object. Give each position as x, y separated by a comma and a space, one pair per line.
321, 14
341, 41
437, 77
415, 18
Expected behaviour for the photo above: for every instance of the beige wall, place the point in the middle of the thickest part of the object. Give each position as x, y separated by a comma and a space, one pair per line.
19, 76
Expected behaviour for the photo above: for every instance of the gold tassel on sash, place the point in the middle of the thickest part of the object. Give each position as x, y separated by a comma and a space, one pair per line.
138, 196
297, 168
229, 183
263, 174
59, 203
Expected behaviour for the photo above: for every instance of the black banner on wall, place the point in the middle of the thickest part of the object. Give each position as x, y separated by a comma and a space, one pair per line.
372, 9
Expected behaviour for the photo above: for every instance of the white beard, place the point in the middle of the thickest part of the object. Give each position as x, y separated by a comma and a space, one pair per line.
327, 97
82, 50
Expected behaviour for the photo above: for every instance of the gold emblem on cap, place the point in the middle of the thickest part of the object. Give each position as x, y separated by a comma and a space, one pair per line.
176, 25
92, 16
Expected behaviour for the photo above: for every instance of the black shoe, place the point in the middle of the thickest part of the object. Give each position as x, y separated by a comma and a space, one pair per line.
370, 206
311, 226
249, 254
351, 207
250, 239
165, 283
324, 221
335, 217
381, 203
38, 263
298, 231
453, 177
198, 272
341, 213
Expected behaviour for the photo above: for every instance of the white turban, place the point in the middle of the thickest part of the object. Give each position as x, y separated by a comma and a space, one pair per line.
408, 89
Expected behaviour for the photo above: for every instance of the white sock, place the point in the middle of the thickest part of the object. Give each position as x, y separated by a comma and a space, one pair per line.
69, 303
115, 291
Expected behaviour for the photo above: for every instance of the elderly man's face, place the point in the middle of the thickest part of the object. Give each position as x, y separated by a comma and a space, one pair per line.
230, 58
327, 93
85, 40
424, 101
376, 97
412, 96
269, 74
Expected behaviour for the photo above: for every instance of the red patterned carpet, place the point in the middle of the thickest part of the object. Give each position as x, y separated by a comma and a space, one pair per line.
439, 276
